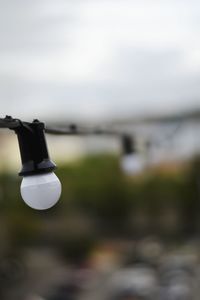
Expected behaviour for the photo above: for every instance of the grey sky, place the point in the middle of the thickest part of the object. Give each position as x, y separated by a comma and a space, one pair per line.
98, 58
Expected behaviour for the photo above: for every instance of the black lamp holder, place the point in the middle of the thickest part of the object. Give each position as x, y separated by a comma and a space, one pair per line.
128, 144
33, 147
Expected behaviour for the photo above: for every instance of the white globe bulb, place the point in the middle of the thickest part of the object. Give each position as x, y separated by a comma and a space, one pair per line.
132, 164
41, 191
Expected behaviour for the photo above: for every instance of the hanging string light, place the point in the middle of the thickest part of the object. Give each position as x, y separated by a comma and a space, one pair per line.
40, 187
131, 160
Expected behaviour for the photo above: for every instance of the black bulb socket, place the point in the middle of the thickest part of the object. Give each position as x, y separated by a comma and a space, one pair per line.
33, 149
128, 145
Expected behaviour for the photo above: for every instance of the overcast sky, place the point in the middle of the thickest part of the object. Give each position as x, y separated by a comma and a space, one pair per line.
98, 58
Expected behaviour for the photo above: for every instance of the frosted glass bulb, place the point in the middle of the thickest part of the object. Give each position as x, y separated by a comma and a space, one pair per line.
41, 191
132, 164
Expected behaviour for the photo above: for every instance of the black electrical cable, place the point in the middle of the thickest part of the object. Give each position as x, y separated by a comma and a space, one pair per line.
72, 129
9, 122
76, 130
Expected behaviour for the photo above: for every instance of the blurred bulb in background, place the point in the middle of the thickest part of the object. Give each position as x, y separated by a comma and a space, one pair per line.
132, 164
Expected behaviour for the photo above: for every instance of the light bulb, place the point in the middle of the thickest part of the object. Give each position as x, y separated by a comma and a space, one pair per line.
41, 191
132, 164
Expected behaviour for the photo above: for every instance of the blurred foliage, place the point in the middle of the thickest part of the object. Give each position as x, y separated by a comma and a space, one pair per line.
99, 201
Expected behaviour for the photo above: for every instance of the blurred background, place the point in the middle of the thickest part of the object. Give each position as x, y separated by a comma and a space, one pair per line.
127, 225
